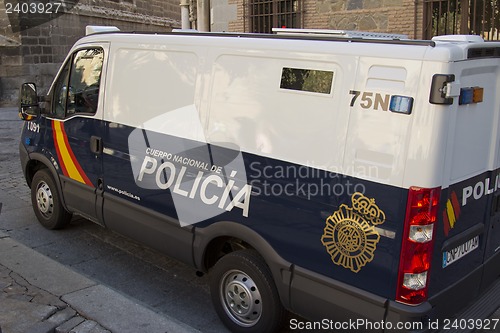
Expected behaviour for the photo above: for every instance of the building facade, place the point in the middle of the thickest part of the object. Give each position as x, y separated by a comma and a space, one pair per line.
393, 16
418, 19
35, 54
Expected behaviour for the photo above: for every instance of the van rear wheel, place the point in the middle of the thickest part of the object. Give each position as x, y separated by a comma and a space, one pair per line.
244, 294
46, 202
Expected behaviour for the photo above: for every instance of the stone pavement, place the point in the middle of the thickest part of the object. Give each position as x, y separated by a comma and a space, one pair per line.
30, 302
40, 295
27, 308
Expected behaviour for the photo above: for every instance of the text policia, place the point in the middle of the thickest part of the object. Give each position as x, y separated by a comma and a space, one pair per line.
169, 176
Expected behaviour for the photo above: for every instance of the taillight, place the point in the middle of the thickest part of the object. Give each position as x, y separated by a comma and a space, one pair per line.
418, 243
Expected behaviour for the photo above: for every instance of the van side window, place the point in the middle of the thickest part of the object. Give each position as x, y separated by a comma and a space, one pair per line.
77, 88
84, 81
61, 93
307, 80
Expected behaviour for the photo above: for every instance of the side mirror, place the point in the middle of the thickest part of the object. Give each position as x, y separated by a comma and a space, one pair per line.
28, 102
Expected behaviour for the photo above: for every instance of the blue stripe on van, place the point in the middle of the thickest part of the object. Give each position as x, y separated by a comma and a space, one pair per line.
289, 205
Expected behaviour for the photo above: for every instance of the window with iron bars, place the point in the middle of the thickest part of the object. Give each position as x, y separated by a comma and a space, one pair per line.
475, 17
263, 15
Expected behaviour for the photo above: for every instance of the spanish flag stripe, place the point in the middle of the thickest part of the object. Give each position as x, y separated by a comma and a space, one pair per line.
455, 203
69, 164
451, 213
77, 165
66, 157
58, 151
446, 223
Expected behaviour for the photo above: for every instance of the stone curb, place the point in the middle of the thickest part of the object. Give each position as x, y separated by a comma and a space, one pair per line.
89, 306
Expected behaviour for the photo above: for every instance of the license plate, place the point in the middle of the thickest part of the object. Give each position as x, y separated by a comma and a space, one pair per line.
449, 257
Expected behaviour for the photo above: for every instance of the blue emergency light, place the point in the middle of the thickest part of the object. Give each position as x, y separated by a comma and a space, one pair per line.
471, 95
401, 104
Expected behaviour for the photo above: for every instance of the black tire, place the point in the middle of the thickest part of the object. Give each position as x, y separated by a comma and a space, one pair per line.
244, 294
46, 201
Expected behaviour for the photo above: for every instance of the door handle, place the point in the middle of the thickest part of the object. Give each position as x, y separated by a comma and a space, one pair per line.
96, 144
495, 205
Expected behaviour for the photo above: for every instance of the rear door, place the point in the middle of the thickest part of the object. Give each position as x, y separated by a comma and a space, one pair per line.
469, 235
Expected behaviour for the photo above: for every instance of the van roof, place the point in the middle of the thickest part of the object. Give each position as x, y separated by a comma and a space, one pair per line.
439, 49
280, 33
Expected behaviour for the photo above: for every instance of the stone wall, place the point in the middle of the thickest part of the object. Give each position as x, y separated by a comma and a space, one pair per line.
238, 24
392, 16
36, 54
222, 12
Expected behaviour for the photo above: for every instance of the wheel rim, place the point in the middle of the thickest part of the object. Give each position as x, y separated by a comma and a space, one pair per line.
44, 200
241, 298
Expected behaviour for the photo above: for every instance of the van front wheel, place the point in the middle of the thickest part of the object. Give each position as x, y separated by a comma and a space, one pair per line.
46, 202
244, 294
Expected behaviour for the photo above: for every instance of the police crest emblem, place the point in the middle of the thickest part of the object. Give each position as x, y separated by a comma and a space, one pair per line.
350, 236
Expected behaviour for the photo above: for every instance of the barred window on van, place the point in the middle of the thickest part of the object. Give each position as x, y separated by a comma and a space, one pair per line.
307, 80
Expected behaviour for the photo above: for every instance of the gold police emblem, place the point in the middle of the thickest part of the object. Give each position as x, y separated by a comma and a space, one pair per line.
350, 236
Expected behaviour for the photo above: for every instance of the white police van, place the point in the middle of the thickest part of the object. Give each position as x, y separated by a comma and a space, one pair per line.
348, 179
